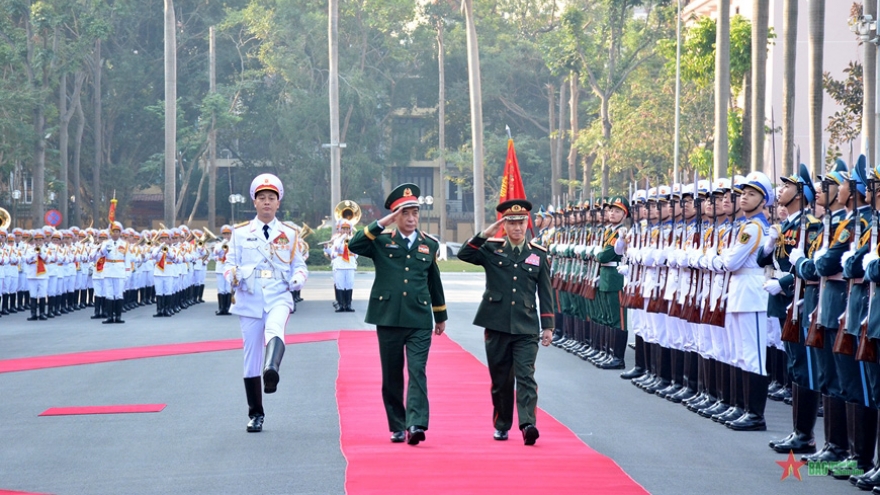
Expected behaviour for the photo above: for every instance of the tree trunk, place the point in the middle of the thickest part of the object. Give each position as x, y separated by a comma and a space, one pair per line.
573, 124
170, 114
746, 125
77, 149
815, 92
441, 115
551, 117
63, 124
476, 96
606, 142
789, 55
212, 139
759, 83
869, 75
335, 168
722, 89
560, 142
99, 134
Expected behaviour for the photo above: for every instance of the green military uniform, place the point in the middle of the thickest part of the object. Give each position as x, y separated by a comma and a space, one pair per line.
611, 321
406, 299
512, 316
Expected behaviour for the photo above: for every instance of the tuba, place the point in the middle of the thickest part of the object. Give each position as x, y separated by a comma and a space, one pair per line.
6, 218
347, 210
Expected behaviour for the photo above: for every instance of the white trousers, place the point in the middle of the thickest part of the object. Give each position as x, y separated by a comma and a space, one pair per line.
748, 333
255, 332
343, 279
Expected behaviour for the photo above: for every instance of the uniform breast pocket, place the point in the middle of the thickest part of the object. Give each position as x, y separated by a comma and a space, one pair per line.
530, 270
393, 253
492, 296
424, 258
381, 296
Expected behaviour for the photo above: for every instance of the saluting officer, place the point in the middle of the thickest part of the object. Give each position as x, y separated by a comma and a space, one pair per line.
406, 301
516, 271
263, 266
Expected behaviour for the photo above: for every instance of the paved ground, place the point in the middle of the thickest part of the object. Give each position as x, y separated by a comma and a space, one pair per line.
198, 443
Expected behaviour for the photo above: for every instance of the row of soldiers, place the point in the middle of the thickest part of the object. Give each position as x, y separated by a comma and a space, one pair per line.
720, 295
54, 272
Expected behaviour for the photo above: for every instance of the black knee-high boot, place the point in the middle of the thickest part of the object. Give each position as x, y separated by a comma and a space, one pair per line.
274, 354
252, 388
804, 406
33, 311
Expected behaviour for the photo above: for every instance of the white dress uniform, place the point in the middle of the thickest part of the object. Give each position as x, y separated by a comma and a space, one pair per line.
263, 265
116, 260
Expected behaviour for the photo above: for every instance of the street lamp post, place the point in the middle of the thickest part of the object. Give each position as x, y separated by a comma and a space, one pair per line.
16, 195
428, 202
233, 199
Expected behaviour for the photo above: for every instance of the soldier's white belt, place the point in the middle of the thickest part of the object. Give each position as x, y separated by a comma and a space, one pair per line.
749, 271
264, 274
612, 263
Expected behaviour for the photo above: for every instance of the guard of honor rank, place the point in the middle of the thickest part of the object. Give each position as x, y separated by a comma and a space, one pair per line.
723, 300
51, 272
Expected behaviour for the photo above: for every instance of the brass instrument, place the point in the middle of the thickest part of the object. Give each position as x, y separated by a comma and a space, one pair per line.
164, 249
305, 231
209, 233
37, 249
347, 210
225, 246
5, 219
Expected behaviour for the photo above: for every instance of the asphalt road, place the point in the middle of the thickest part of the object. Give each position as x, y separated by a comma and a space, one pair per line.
198, 445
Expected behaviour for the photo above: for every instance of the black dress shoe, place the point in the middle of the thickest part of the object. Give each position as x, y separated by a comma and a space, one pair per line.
829, 453
612, 364
255, 425
868, 480
414, 435
731, 414
799, 443
500, 435
530, 434
748, 422
633, 373
398, 436
717, 408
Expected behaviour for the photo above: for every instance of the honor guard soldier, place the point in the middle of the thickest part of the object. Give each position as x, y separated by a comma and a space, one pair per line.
224, 292
344, 264
163, 259
869, 331
816, 265
746, 312
116, 257
263, 266
37, 259
787, 293
610, 287
516, 272
406, 301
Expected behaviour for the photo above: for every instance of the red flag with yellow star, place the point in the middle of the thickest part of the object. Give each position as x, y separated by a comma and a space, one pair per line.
511, 183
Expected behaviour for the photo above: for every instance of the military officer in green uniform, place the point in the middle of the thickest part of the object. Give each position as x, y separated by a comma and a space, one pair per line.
405, 303
516, 271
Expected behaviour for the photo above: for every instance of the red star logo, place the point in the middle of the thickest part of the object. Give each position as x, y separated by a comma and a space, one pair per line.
791, 467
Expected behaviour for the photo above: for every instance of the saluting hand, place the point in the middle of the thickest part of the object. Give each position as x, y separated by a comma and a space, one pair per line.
390, 218
492, 229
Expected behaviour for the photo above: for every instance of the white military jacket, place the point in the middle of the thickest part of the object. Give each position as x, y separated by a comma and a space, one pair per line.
116, 257
263, 271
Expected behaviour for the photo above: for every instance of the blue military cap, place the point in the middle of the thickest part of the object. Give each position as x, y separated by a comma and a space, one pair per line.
803, 176
837, 174
859, 174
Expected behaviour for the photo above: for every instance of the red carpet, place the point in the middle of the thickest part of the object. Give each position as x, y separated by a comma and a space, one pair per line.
124, 409
110, 355
13, 492
459, 455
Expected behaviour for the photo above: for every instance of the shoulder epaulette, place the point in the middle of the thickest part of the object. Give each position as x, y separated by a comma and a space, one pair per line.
429, 236
495, 239
812, 219
242, 224
293, 226
537, 246
387, 231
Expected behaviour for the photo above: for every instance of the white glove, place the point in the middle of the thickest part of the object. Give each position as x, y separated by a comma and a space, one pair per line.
717, 264
693, 260
703, 262
620, 245
597, 250
847, 255
660, 256
796, 255
296, 283
772, 287
770, 242
868, 259
681, 258
820, 253
648, 256
623, 269
672, 259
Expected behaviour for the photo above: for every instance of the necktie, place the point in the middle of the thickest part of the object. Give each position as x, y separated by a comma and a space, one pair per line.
266, 231
408, 243
516, 252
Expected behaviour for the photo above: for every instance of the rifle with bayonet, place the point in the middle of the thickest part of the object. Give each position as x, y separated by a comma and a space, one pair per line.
791, 331
867, 351
816, 332
658, 304
720, 312
691, 302
844, 342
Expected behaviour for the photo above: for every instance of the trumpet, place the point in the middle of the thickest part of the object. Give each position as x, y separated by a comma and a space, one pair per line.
37, 249
164, 249
225, 246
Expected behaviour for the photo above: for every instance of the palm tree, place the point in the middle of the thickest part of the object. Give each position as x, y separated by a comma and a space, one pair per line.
722, 88
816, 15
759, 81
869, 127
789, 56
